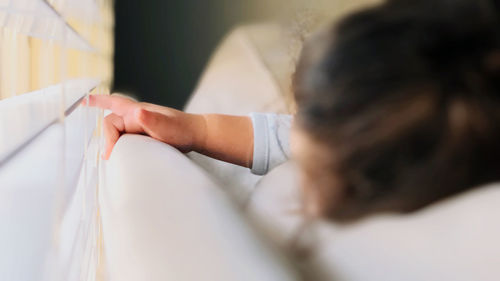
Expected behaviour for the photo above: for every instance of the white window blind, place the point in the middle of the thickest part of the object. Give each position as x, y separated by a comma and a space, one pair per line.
53, 53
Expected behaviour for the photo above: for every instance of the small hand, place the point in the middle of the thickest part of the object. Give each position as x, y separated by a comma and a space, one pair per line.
181, 130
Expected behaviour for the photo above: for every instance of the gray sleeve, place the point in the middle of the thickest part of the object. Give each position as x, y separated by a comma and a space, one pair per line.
271, 141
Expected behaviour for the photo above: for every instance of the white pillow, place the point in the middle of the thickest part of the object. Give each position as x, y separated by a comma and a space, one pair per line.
275, 205
454, 239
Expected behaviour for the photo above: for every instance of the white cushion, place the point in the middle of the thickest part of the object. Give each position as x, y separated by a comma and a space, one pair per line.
164, 219
236, 80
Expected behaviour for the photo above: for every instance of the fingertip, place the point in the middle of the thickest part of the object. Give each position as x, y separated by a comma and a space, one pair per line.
109, 148
107, 153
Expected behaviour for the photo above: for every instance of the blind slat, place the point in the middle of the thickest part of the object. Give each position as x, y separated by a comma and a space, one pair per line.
23, 117
37, 18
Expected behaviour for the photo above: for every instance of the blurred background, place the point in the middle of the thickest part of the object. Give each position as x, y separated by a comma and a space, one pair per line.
163, 46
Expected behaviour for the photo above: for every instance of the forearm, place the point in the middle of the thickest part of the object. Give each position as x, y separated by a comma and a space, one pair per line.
225, 137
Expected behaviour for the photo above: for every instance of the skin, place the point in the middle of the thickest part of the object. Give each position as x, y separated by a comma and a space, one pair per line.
209, 134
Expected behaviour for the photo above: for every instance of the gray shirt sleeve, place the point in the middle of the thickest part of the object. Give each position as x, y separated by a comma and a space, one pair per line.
271, 141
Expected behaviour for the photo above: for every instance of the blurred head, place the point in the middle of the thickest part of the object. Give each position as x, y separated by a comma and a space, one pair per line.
399, 106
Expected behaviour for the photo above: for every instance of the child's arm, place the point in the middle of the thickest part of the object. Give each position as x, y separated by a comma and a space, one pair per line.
224, 137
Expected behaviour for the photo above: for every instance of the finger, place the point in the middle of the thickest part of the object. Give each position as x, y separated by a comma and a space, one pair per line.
151, 122
117, 104
161, 127
113, 127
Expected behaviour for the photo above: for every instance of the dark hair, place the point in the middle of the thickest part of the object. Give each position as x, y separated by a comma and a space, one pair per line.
406, 98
